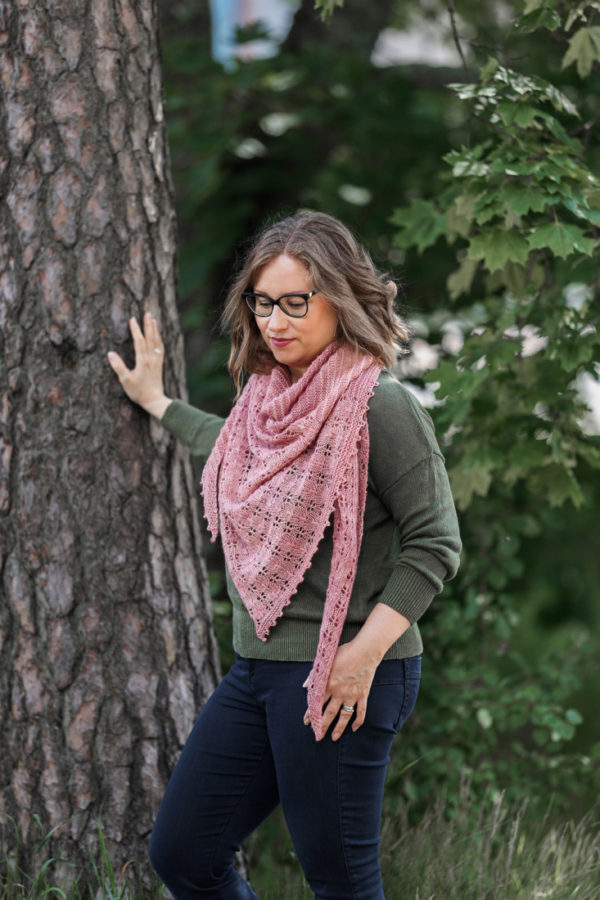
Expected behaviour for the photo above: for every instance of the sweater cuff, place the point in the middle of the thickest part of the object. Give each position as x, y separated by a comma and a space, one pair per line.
176, 419
197, 429
408, 592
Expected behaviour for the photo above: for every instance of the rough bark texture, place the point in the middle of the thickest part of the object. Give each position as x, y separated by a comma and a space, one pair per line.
106, 643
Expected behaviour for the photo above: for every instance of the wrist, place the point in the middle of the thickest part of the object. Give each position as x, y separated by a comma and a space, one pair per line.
382, 627
370, 650
158, 406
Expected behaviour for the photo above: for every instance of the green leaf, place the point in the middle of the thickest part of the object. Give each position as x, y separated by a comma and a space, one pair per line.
531, 85
579, 207
466, 482
461, 280
488, 70
507, 110
522, 280
532, 5
543, 170
590, 454
526, 454
488, 207
525, 115
496, 247
574, 717
467, 162
422, 224
561, 239
580, 12
327, 7
571, 353
502, 353
524, 198
584, 49
511, 219
557, 484
459, 215
542, 17
562, 731
559, 100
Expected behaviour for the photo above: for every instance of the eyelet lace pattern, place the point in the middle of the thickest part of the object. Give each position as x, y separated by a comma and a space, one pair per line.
288, 456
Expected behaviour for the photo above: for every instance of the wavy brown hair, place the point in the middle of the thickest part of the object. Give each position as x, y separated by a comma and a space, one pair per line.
340, 269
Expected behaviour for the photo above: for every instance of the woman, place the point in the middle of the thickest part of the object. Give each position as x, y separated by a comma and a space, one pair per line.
330, 492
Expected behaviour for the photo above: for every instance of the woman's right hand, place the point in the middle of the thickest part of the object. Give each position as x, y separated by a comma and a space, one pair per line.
144, 383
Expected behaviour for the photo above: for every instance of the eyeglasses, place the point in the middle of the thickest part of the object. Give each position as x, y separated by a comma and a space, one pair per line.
294, 305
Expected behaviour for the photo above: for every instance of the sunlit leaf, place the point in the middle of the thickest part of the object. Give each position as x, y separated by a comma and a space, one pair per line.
461, 280
542, 17
584, 49
578, 206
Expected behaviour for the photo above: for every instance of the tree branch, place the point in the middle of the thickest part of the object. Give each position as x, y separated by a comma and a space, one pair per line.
452, 11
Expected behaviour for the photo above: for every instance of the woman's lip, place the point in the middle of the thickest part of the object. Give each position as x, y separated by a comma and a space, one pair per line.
281, 342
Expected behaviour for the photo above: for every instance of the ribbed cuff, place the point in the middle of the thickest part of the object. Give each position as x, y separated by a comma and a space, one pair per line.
297, 639
408, 592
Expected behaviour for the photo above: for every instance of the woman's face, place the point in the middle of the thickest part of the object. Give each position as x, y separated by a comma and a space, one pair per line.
294, 343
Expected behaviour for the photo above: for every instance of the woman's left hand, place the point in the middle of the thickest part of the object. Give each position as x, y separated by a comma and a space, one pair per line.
349, 685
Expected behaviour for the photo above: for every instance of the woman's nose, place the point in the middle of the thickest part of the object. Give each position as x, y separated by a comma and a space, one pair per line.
277, 320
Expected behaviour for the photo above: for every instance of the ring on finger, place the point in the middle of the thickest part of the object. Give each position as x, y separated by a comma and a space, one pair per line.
348, 709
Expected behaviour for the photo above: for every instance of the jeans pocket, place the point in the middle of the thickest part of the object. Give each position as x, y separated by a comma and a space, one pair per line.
393, 693
411, 692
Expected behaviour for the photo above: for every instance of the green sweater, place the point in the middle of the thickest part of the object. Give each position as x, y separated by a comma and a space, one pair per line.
411, 542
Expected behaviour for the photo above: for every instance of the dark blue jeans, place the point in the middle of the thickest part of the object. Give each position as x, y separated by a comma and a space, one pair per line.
249, 751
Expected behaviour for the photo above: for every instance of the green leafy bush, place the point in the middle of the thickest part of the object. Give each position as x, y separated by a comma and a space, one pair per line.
521, 205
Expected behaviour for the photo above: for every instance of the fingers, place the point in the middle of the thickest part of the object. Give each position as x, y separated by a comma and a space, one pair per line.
146, 341
149, 337
344, 716
332, 709
144, 381
155, 338
361, 712
118, 365
139, 341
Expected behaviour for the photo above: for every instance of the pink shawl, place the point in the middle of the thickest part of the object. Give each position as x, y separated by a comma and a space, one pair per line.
287, 457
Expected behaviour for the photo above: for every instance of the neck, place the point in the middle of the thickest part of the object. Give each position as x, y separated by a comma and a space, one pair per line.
296, 374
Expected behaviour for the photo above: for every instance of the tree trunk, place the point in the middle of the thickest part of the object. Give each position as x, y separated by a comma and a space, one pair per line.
107, 649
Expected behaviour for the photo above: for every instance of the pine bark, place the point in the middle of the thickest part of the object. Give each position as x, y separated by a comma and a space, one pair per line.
107, 650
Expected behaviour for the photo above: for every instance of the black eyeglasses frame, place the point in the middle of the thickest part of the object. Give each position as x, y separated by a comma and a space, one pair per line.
247, 295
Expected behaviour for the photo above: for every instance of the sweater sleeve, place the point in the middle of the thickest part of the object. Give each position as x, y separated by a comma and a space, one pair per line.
197, 429
429, 552
408, 473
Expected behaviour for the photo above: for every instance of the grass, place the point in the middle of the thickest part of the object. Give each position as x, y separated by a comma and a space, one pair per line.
494, 851
505, 855
53, 877
468, 851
